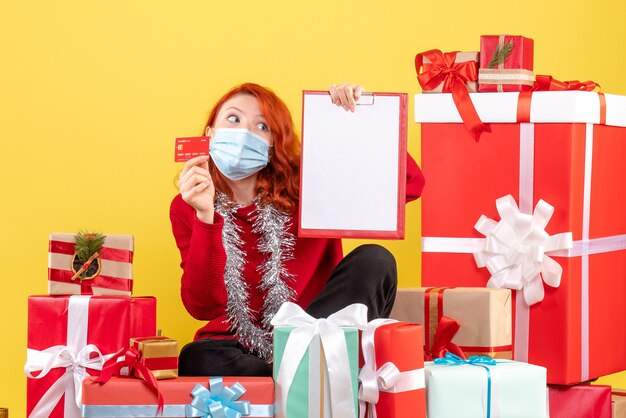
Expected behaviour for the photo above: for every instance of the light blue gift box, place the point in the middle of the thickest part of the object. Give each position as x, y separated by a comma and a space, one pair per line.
518, 390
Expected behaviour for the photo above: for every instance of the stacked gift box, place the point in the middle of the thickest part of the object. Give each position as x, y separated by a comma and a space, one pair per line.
90, 325
522, 250
524, 181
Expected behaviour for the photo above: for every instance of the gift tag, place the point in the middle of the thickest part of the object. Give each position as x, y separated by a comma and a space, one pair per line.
188, 148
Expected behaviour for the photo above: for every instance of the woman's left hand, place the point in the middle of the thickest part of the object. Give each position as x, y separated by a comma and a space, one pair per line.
345, 95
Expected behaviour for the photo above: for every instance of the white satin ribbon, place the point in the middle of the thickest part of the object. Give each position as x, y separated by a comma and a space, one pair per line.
75, 358
387, 378
516, 249
335, 352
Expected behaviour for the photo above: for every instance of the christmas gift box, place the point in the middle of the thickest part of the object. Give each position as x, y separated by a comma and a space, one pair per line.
618, 402
159, 354
148, 358
90, 264
432, 67
579, 401
560, 147
70, 337
252, 397
439, 72
469, 320
482, 387
392, 377
316, 362
506, 63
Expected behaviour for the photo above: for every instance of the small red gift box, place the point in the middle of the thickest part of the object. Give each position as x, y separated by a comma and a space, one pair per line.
73, 335
579, 401
111, 273
126, 397
561, 147
392, 376
513, 71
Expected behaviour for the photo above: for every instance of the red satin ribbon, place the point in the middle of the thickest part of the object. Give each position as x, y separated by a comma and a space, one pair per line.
161, 363
108, 282
486, 349
132, 360
549, 83
106, 253
453, 75
446, 329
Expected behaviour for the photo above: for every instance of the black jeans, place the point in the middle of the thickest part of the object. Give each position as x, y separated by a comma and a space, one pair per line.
367, 275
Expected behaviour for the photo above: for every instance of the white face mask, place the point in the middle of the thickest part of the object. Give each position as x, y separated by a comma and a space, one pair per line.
238, 153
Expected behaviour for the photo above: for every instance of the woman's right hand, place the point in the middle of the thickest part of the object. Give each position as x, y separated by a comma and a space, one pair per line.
197, 188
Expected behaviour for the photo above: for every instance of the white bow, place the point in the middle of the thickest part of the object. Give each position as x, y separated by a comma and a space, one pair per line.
335, 352
515, 249
387, 378
75, 365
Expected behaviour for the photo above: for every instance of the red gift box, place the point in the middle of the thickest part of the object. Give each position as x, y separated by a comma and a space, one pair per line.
113, 268
566, 157
74, 334
392, 377
515, 73
125, 397
579, 401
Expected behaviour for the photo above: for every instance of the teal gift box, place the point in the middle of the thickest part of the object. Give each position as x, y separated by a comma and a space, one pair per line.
311, 391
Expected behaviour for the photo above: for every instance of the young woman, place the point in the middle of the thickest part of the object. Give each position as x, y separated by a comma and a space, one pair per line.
235, 223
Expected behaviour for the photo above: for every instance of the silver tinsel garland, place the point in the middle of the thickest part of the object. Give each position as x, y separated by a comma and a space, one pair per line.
277, 242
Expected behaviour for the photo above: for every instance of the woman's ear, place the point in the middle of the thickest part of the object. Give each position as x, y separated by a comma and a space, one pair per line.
209, 131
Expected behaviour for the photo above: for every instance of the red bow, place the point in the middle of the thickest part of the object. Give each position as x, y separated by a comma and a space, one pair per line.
547, 82
132, 360
443, 344
453, 75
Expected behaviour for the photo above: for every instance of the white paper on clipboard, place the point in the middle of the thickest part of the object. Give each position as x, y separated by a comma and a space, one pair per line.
353, 167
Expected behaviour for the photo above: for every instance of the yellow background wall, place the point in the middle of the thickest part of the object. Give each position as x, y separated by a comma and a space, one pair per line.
93, 93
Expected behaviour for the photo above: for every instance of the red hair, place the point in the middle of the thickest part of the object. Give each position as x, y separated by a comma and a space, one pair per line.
279, 182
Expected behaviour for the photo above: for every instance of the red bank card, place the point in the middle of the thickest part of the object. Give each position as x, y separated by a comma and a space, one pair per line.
188, 148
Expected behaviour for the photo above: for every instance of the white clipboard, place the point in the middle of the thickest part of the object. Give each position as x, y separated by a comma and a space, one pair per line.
353, 167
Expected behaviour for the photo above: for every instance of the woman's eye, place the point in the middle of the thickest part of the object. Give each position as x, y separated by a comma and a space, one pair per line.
233, 118
263, 127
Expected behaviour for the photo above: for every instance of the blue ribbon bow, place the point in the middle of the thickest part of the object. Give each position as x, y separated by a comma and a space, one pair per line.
453, 359
481, 361
218, 401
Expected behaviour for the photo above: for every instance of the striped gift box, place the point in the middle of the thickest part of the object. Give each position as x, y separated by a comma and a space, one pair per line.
113, 272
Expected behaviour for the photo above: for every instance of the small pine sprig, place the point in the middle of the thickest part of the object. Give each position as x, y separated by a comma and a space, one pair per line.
87, 244
501, 54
